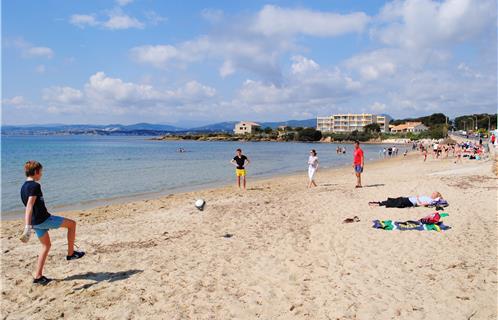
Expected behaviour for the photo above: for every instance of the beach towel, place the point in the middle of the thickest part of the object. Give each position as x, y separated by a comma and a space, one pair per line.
409, 225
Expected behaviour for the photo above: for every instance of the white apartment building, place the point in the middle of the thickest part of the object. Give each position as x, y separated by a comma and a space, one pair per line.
351, 122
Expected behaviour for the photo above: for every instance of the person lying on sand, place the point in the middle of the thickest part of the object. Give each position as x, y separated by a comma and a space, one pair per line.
406, 202
38, 219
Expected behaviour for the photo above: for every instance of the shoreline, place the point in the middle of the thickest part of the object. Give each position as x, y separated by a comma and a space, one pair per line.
145, 196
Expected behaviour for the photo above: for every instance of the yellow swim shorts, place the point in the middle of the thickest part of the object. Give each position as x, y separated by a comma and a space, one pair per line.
240, 172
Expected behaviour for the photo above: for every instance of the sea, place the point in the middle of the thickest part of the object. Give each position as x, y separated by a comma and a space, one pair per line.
86, 171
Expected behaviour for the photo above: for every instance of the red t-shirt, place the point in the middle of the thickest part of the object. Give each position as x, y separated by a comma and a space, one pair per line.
358, 155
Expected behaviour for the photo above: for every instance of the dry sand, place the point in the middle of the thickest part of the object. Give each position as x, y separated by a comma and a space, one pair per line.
290, 256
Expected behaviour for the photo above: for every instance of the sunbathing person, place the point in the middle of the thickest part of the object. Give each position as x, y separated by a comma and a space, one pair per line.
413, 201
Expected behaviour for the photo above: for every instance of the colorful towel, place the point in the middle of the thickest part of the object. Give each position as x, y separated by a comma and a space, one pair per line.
409, 225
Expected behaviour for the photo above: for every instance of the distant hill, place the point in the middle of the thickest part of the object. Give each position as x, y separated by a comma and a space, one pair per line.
229, 125
76, 129
216, 127
137, 129
290, 123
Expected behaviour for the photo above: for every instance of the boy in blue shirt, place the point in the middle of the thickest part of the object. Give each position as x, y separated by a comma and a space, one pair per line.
38, 218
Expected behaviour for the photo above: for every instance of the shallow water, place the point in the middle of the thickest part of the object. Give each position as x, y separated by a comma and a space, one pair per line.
85, 169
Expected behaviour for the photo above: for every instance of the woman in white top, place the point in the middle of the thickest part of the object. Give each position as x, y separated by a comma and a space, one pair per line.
312, 167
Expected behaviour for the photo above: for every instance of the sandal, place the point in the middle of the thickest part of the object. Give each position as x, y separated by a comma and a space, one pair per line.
351, 220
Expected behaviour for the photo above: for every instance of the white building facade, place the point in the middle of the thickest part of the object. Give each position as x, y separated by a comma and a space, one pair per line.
414, 127
351, 122
245, 127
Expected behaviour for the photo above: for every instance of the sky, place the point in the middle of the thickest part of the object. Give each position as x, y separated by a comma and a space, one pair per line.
190, 63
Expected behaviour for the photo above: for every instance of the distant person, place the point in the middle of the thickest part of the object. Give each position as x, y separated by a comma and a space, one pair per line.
493, 139
358, 162
240, 161
389, 151
384, 152
424, 153
312, 167
344, 150
405, 153
458, 154
337, 150
38, 218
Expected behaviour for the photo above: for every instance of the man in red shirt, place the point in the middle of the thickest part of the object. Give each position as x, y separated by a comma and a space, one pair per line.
358, 163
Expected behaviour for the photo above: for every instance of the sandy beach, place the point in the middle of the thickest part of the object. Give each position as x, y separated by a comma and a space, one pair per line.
289, 255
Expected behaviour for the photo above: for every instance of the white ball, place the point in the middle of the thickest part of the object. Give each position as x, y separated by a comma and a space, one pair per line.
199, 204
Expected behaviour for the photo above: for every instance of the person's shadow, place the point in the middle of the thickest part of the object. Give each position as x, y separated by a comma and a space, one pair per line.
98, 277
374, 185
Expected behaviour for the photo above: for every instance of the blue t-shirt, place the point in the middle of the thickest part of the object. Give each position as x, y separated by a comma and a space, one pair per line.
422, 199
40, 212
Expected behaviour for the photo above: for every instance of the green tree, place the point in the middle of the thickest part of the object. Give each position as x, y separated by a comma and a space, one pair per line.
268, 130
309, 134
372, 128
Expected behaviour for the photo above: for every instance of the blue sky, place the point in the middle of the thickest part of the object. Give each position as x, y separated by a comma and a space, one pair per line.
197, 62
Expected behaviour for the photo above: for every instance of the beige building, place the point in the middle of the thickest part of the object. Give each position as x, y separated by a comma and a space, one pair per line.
414, 127
351, 122
244, 127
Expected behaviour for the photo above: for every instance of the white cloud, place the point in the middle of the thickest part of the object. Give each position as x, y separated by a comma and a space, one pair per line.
116, 20
253, 43
236, 53
29, 50
44, 52
83, 20
14, 101
119, 21
375, 64
153, 18
123, 2
157, 56
64, 95
378, 107
273, 20
311, 90
103, 94
303, 65
227, 69
426, 24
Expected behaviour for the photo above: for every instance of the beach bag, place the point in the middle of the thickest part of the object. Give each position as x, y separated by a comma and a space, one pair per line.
432, 218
